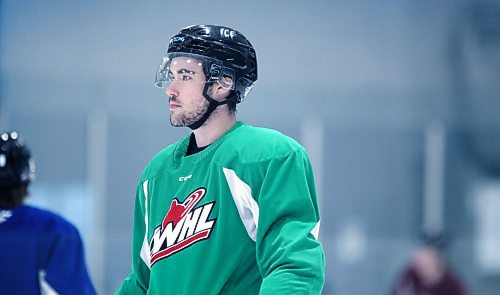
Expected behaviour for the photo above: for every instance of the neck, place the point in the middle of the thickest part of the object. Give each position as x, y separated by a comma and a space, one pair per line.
214, 128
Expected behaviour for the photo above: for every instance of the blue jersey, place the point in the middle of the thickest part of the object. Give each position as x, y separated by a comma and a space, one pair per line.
40, 252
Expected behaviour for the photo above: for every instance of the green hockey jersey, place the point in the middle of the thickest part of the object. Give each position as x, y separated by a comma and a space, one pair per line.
239, 217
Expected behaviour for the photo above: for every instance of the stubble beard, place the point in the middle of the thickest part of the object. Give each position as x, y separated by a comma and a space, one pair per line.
187, 118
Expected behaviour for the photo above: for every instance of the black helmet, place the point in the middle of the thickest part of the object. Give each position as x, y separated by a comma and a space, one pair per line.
224, 52
16, 166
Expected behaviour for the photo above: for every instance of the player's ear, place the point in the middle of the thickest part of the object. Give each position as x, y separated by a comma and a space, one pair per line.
223, 87
226, 82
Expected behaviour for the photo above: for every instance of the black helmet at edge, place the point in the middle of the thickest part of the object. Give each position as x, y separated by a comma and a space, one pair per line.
16, 166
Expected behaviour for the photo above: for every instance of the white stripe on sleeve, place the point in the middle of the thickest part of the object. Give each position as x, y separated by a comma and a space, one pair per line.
45, 287
245, 203
145, 251
315, 230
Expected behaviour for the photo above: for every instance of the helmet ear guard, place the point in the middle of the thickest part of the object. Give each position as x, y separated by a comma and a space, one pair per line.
225, 77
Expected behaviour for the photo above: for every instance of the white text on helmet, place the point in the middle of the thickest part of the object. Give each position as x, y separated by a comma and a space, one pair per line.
227, 33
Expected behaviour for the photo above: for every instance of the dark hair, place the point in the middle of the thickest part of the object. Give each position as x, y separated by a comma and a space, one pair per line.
11, 197
437, 240
232, 104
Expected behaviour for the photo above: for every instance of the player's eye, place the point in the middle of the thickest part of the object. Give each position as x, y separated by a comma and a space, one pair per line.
170, 76
185, 78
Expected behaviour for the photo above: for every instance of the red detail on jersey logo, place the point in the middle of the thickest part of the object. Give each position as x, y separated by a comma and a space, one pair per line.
182, 226
178, 211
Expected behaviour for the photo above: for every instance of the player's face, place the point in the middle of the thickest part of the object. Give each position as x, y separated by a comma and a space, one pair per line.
187, 104
428, 264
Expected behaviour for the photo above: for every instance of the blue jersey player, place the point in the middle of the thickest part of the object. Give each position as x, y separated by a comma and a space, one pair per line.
40, 252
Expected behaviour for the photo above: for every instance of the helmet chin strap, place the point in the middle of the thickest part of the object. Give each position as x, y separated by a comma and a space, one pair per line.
212, 105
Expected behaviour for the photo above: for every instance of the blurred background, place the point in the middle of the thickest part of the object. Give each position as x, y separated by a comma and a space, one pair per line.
397, 102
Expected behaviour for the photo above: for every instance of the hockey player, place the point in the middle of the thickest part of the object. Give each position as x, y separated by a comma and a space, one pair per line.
429, 272
231, 208
40, 252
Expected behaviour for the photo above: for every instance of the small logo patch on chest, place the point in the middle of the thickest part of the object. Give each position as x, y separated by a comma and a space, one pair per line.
182, 226
184, 178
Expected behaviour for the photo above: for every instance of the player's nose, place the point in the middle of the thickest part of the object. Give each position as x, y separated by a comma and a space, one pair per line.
171, 91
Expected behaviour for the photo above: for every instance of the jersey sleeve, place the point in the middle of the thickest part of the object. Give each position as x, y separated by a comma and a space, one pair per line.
65, 271
290, 257
137, 281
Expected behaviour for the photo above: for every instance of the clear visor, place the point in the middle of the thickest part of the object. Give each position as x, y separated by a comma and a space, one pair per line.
186, 69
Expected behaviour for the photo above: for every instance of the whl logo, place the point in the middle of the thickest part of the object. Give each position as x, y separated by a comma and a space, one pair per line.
183, 226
